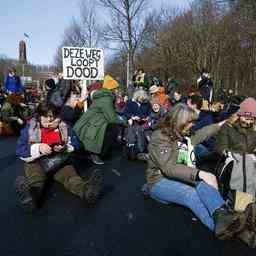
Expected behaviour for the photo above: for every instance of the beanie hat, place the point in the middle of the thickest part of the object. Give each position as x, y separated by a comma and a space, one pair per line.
247, 108
110, 83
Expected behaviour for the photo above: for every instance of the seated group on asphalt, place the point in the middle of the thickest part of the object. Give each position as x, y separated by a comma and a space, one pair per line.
200, 153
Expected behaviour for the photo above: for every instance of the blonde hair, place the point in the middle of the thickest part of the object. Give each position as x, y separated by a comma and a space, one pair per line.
140, 93
177, 120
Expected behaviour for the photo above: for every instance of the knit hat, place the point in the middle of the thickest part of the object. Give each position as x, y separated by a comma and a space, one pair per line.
153, 89
110, 83
247, 108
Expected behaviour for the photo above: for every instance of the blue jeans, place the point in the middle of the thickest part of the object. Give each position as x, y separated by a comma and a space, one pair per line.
203, 199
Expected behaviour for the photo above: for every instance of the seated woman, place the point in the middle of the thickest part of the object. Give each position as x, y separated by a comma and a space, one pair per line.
169, 182
156, 115
45, 145
137, 112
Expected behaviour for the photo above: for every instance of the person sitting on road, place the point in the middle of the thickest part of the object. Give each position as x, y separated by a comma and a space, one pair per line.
13, 114
177, 97
171, 182
237, 139
158, 95
136, 112
45, 145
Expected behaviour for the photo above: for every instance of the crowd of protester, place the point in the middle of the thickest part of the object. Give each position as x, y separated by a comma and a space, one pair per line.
199, 148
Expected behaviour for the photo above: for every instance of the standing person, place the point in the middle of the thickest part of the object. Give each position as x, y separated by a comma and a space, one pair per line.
13, 83
170, 182
205, 86
45, 145
141, 80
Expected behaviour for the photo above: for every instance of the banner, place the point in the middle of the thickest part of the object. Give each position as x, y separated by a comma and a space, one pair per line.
81, 63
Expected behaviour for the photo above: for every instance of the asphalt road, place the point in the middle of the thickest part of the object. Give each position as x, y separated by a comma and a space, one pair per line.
123, 222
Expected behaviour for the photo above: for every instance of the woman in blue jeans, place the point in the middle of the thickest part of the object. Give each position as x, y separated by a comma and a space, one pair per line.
171, 182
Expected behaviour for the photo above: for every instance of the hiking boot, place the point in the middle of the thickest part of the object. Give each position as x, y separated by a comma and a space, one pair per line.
248, 237
93, 187
96, 159
24, 195
228, 224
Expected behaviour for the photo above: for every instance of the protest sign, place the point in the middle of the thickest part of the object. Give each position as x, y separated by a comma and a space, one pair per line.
81, 63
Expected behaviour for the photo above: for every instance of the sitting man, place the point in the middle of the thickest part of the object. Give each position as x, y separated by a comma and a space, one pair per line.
238, 137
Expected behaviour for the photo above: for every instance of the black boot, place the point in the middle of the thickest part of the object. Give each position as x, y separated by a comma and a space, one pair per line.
96, 159
228, 224
93, 187
24, 195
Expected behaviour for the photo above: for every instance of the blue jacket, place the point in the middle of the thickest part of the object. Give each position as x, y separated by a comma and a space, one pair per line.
204, 119
13, 84
135, 109
30, 152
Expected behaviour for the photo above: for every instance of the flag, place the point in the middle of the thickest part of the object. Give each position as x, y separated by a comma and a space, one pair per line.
26, 35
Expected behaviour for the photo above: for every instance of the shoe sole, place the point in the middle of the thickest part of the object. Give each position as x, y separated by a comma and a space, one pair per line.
94, 187
21, 188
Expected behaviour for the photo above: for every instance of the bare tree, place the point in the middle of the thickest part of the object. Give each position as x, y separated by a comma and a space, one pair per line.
126, 27
84, 31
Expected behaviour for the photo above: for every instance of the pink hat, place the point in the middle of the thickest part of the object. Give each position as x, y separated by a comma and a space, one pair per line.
248, 108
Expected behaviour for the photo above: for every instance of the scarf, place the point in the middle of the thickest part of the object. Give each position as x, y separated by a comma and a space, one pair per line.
35, 130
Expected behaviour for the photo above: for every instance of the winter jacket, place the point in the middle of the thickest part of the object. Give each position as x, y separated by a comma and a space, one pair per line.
13, 84
234, 138
163, 156
204, 119
28, 151
134, 108
91, 126
240, 144
154, 119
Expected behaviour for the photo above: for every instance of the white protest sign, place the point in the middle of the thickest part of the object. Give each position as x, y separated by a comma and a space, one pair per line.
81, 63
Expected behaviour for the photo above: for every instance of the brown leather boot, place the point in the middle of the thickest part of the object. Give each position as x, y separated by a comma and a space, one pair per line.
228, 224
248, 237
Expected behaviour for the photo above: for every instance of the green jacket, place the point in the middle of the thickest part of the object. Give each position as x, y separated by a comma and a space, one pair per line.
91, 126
7, 112
163, 156
234, 138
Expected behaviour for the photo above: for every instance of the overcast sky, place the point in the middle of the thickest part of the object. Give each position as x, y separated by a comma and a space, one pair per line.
44, 21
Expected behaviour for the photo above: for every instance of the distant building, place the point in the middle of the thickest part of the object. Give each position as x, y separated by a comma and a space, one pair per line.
22, 52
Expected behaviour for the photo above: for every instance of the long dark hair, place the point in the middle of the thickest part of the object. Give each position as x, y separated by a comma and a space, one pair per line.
44, 108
